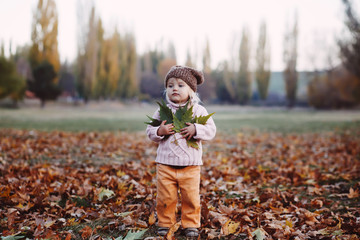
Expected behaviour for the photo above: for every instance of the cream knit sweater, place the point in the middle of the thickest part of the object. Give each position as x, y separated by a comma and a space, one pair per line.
174, 150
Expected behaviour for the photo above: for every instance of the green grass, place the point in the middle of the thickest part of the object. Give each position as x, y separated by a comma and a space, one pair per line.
229, 119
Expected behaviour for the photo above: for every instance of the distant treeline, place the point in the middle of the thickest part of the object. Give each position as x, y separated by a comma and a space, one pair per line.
109, 67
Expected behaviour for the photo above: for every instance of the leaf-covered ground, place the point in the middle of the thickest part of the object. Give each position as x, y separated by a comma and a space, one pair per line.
255, 185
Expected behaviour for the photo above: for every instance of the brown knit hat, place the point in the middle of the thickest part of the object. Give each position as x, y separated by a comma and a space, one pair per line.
189, 75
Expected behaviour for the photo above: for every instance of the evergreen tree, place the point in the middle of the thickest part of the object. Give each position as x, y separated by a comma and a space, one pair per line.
43, 85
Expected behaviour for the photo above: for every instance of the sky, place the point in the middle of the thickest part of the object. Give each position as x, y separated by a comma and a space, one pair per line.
188, 24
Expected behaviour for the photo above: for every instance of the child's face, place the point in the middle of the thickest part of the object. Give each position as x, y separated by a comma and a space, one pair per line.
177, 90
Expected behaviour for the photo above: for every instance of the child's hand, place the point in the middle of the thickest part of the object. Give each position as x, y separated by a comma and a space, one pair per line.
165, 129
188, 132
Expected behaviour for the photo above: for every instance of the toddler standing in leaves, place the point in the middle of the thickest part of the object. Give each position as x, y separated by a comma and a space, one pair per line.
179, 154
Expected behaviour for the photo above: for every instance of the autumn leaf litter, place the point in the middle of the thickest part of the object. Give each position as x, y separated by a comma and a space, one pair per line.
255, 185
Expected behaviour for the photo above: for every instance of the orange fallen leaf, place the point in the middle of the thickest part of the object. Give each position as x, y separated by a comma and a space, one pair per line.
86, 232
353, 194
152, 218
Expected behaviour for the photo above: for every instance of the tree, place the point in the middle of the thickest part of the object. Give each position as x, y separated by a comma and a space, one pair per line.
128, 86
206, 60
43, 85
350, 48
89, 37
336, 88
67, 81
224, 83
171, 52
91, 57
207, 89
189, 61
44, 35
262, 74
290, 60
244, 77
11, 83
109, 70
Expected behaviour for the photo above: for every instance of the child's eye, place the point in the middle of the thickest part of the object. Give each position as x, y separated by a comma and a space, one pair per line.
170, 86
181, 85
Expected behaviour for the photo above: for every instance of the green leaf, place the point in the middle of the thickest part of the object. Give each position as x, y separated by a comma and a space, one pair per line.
178, 124
165, 113
181, 117
187, 117
153, 122
192, 143
181, 111
203, 119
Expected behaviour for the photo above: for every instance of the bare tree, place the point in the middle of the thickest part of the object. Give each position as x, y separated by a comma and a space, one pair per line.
350, 48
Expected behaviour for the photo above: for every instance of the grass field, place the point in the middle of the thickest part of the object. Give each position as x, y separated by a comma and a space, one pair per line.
111, 116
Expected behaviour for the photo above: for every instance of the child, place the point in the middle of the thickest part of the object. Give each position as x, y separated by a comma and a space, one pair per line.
178, 165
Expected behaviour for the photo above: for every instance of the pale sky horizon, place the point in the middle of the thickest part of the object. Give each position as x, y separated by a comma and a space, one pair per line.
188, 24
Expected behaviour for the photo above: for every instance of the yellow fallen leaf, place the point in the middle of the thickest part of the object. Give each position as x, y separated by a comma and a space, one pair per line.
152, 218
233, 226
289, 223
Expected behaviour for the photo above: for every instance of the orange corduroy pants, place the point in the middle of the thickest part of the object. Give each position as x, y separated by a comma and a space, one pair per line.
169, 181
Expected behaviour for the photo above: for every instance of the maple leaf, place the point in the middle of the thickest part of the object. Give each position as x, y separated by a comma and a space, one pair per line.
153, 122
182, 116
182, 111
353, 194
165, 113
86, 232
202, 119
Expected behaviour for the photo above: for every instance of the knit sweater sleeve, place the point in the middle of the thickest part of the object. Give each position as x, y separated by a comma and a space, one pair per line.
207, 131
152, 131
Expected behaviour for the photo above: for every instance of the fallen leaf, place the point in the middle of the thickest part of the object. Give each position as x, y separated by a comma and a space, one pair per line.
152, 218
171, 234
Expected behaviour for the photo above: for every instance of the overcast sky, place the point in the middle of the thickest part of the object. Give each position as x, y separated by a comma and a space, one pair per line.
188, 23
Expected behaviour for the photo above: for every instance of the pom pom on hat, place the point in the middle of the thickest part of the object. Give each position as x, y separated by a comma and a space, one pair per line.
191, 76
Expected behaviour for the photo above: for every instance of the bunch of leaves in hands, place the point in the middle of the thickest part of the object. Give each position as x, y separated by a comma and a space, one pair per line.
182, 116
